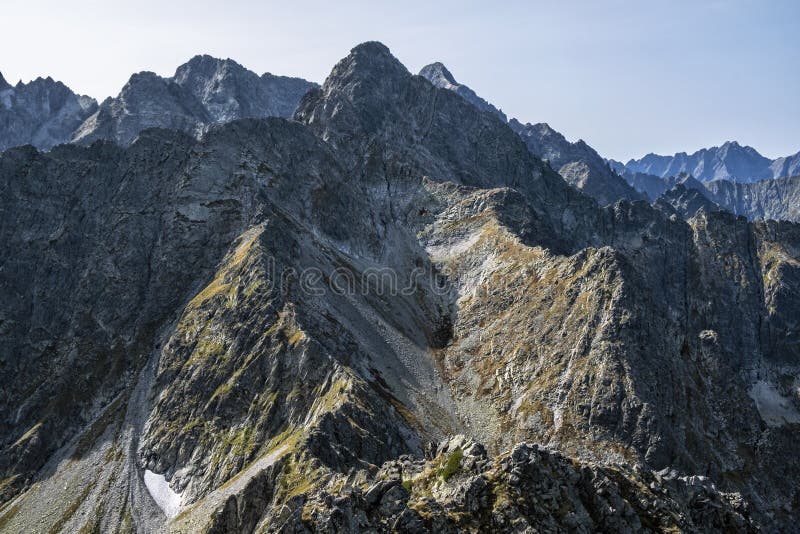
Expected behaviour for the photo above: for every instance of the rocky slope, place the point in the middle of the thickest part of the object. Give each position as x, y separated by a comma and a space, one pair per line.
203, 91
438, 75
267, 328
731, 161
777, 199
578, 163
43, 112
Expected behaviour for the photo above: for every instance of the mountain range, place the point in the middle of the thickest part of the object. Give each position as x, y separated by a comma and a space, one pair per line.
731, 161
387, 312
203, 91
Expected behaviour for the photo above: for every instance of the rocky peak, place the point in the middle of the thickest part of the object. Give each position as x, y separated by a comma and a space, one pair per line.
370, 69
786, 166
144, 81
578, 163
730, 161
206, 66
371, 104
204, 91
43, 112
438, 75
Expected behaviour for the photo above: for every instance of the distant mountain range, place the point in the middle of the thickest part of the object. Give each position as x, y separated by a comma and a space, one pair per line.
731, 161
203, 91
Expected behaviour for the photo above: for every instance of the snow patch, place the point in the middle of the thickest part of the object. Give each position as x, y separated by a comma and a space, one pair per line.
166, 498
774, 408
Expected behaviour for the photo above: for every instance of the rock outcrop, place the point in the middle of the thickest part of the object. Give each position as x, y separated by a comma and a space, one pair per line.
461, 489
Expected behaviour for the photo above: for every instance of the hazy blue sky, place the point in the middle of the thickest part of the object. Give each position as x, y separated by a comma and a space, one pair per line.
629, 77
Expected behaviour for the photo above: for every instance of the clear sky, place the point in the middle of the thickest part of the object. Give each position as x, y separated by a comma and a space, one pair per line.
629, 77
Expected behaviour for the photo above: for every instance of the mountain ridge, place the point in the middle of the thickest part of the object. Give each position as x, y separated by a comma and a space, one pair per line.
204, 90
579, 164
177, 298
43, 112
730, 161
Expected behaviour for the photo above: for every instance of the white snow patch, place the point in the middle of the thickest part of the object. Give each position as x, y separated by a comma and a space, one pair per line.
166, 499
774, 408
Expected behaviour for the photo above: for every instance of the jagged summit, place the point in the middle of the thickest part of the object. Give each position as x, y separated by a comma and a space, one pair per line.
371, 62
204, 91
374, 48
578, 163
438, 75
206, 62
42, 112
437, 70
729, 161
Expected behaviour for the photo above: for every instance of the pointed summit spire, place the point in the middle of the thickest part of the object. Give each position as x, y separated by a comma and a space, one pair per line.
3, 83
437, 71
371, 59
438, 75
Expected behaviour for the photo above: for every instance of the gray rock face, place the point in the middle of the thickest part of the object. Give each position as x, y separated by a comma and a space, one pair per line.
731, 161
203, 91
786, 166
43, 112
215, 310
577, 163
228, 91
685, 202
775, 199
146, 101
